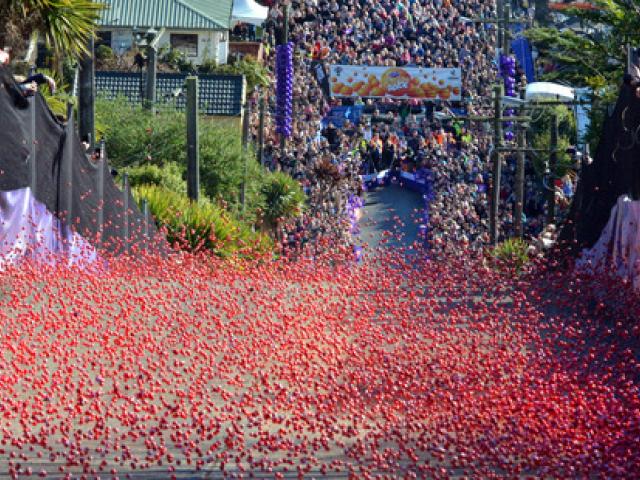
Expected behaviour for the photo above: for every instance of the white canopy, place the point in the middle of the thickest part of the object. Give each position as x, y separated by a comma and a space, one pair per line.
248, 11
541, 91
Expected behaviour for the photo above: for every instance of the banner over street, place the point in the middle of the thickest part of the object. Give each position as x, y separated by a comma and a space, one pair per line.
396, 82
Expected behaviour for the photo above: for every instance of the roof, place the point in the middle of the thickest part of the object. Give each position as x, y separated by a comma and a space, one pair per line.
182, 14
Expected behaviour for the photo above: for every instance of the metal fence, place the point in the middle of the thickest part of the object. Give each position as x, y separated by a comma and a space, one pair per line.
219, 94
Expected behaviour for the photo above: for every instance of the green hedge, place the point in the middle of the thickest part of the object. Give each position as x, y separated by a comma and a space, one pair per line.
170, 176
193, 227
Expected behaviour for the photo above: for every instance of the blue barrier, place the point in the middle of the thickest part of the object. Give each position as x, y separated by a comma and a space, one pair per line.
337, 115
522, 50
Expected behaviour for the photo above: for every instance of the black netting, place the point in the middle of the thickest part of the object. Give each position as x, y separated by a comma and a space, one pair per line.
615, 171
66, 178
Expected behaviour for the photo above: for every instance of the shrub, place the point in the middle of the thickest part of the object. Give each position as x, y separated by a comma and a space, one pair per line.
196, 226
168, 177
512, 254
255, 73
135, 137
104, 53
124, 127
283, 198
209, 65
176, 60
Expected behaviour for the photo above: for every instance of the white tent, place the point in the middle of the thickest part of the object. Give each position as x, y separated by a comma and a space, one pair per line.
248, 11
545, 91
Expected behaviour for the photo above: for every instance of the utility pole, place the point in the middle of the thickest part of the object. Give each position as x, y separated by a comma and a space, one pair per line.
261, 130
498, 148
193, 147
503, 20
497, 163
86, 96
499, 22
553, 165
506, 20
522, 132
520, 159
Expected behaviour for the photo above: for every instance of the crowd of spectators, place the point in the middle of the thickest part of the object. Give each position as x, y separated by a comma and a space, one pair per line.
327, 159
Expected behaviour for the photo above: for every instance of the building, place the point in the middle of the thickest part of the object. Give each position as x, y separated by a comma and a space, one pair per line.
197, 28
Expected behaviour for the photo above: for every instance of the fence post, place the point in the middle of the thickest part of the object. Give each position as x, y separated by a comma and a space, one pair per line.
193, 145
246, 122
150, 102
125, 220
86, 97
66, 168
33, 167
100, 193
145, 211
494, 228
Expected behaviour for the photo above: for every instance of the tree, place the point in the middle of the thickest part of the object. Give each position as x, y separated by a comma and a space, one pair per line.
541, 138
65, 25
594, 56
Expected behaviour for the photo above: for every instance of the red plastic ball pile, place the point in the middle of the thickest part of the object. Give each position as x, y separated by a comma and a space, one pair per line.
400, 367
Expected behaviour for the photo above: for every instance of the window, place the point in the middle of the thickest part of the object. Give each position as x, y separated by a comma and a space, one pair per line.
103, 38
185, 43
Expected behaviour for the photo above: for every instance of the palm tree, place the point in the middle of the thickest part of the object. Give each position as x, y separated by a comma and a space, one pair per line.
65, 25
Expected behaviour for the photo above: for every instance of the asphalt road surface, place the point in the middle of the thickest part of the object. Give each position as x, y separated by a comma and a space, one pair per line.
390, 217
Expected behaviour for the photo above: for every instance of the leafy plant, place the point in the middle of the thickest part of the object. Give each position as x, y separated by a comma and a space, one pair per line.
104, 52
65, 25
105, 57
283, 198
542, 138
196, 226
59, 100
177, 60
169, 176
512, 254
208, 66
254, 72
134, 137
